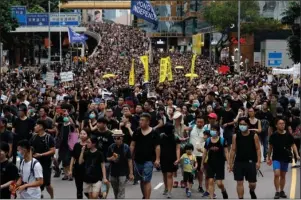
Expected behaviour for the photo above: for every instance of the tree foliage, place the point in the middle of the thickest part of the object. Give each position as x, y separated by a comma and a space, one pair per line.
293, 42
7, 22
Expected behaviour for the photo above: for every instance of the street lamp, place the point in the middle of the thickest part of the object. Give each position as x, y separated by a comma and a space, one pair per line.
238, 36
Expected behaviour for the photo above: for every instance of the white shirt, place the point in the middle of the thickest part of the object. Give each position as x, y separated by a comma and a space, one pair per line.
266, 89
197, 140
32, 192
26, 103
60, 97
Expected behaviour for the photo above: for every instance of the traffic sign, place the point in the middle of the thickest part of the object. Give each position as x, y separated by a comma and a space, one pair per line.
37, 19
66, 19
19, 12
274, 59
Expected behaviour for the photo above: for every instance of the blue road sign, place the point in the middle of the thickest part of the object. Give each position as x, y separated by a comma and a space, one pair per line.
66, 19
275, 59
38, 19
19, 12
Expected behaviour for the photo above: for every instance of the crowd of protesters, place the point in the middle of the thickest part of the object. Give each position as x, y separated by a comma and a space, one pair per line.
187, 128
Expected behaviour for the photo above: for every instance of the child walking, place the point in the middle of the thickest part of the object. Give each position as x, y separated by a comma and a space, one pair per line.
190, 165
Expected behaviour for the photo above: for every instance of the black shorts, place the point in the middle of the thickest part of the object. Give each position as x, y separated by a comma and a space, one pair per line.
216, 171
46, 176
188, 177
199, 161
245, 170
168, 166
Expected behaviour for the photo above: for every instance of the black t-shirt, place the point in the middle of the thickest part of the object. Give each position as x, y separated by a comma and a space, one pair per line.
42, 144
75, 154
145, 145
168, 144
10, 121
282, 144
236, 104
92, 164
83, 107
228, 116
154, 119
216, 153
7, 137
118, 112
267, 120
65, 130
105, 139
120, 167
23, 128
112, 124
8, 172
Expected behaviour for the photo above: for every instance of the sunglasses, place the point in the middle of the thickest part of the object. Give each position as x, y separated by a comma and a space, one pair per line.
116, 138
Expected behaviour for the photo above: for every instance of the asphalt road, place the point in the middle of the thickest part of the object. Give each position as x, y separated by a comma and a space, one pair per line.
265, 187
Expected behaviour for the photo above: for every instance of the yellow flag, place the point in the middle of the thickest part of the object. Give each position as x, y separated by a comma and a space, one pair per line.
193, 64
169, 69
144, 60
163, 70
132, 74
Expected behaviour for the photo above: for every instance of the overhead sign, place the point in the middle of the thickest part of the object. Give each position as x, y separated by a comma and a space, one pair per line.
19, 12
274, 59
143, 9
38, 19
66, 19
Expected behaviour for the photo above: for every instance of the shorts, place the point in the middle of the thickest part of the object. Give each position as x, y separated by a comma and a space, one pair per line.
199, 161
92, 187
216, 171
279, 165
65, 156
167, 165
144, 171
46, 176
188, 177
228, 133
245, 170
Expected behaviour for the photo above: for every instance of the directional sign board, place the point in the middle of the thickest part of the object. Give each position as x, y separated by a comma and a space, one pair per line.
38, 19
274, 59
19, 12
66, 19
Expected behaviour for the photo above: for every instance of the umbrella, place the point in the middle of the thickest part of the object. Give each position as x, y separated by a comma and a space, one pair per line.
224, 69
191, 75
108, 76
179, 67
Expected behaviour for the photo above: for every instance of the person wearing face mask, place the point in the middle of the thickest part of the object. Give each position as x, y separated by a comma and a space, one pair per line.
92, 121
216, 149
227, 121
245, 158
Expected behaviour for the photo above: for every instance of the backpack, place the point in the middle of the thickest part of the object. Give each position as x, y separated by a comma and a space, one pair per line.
33, 164
47, 139
221, 141
126, 148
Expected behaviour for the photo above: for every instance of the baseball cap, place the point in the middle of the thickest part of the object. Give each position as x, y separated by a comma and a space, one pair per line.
212, 115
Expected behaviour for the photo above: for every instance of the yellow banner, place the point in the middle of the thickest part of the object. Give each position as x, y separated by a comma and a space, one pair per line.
193, 65
163, 70
197, 43
169, 69
144, 60
132, 74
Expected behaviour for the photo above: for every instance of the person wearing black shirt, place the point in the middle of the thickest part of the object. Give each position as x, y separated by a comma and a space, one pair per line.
246, 156
227, 121
22, 128
43, 151
149, 108
217, 151
118, 109
95, 171
119, 156
8, 171
6, 135
76, 170
145, 146
9, 117
112, 123
236, 103
280, 145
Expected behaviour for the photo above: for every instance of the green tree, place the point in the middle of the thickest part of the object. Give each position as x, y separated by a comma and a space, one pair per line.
223, 15
290, 15
7, 22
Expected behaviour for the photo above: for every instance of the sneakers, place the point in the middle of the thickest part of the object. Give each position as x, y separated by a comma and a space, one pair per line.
65, 178
200, 189
57, 173
206, 194
188, 193
225, 194
283, 195
175, 184
277, 195
169, 195
165, 192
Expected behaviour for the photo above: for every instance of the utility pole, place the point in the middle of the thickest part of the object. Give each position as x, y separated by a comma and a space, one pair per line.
238, 37
60, 34
49, 39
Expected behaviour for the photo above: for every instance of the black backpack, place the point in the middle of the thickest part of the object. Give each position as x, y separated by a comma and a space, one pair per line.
33, 164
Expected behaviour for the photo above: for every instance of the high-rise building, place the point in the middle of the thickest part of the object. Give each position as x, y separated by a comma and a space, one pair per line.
109, 14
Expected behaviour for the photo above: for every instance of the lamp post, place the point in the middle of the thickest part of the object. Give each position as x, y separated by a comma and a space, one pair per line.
238, 37
49, 35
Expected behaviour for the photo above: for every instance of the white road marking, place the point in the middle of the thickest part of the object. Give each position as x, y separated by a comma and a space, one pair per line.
158, 186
